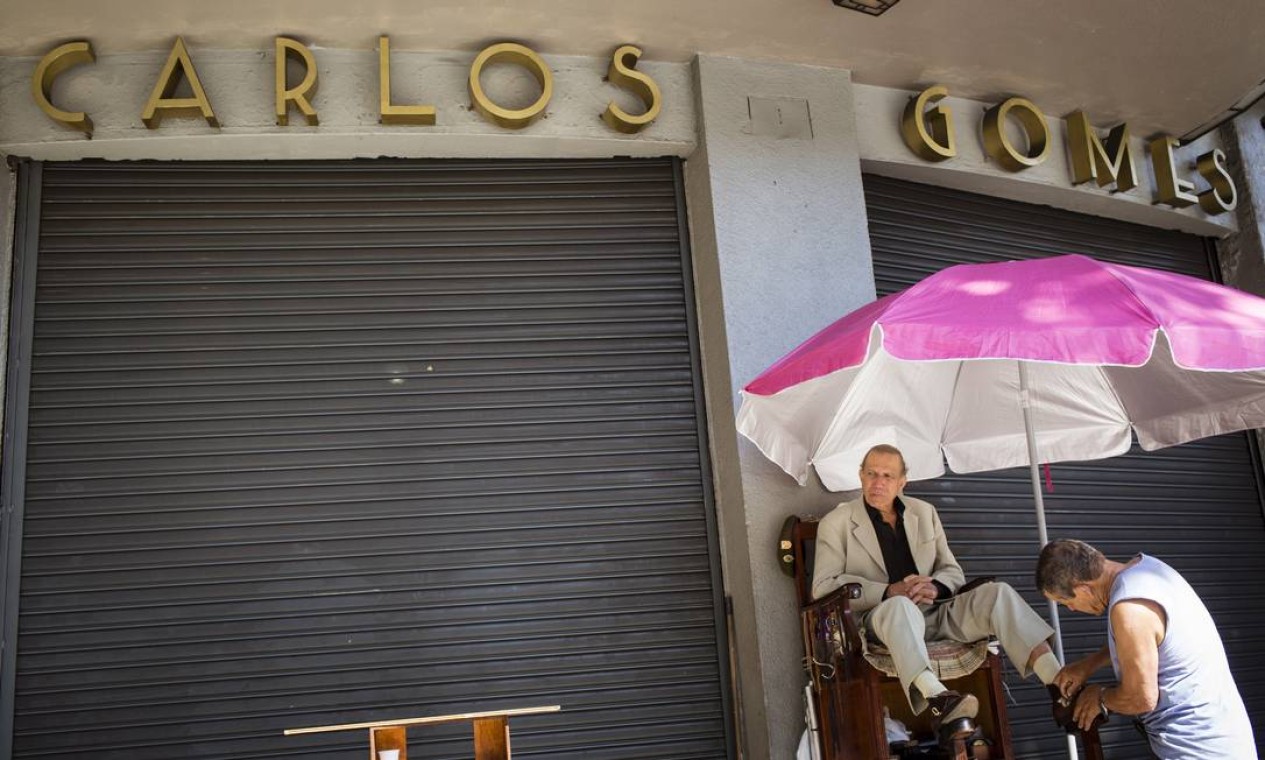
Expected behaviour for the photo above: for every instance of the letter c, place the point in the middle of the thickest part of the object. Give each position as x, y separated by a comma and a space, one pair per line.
50, 67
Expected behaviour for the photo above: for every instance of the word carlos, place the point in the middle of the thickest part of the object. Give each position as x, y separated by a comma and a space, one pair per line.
622, 72
929, 133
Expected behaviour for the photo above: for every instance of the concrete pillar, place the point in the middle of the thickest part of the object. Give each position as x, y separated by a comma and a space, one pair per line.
1242, 254
8, 202
781, 249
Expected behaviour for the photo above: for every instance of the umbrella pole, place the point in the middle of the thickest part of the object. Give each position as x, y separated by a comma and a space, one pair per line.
1025, 401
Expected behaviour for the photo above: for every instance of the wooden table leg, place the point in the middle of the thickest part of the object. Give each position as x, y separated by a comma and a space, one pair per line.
388, 737
492, 738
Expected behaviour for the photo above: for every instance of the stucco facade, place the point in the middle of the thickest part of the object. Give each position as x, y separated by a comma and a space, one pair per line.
777, 223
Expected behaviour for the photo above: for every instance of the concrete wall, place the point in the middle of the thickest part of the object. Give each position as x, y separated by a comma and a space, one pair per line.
8, 200
782, 248
1242, 255
777, 217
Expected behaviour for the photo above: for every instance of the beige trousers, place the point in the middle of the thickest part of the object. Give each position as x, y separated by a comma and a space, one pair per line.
994, 609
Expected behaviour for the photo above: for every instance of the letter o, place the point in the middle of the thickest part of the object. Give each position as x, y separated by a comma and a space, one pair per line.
998, 144
510, 52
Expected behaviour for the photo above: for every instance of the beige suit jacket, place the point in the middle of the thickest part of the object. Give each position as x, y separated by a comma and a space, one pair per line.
848, 551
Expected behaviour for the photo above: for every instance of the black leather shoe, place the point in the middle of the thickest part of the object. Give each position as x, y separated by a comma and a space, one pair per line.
953, 713
1062, 709
1065, 710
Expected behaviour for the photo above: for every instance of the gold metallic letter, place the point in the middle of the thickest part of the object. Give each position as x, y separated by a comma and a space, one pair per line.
1168, 187
929, 134
622, 72
58, 60
287, 50
160, 99
1090, 160
510, 52
392, 114
1220, 195
998, 144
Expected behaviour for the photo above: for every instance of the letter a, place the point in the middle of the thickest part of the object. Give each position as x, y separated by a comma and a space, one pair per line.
161, 100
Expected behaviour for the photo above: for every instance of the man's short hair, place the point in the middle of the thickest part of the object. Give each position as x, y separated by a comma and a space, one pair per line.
886, 448
1064, 564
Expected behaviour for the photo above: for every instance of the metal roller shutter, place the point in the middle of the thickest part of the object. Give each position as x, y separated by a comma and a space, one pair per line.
1198, 506
313, 443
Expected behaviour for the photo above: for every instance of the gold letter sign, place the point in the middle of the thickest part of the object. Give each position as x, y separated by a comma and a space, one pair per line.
392, 114
622, 72
58, 60
160, 99
1220, 195
287, 50
1169, 188
929, 134
1090, 160
510, 52
998, 144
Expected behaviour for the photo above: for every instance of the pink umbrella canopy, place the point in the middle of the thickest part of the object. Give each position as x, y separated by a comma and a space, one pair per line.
934, 369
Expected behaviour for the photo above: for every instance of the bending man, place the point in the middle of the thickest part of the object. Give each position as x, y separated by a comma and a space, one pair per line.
1170, 666
894, 547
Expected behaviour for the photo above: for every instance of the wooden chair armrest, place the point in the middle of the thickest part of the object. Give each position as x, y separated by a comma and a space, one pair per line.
840, 597
838, 604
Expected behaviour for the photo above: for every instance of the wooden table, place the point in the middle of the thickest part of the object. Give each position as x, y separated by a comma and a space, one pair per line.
491, 731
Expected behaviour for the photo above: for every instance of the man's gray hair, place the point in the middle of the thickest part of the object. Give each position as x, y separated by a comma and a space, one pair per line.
1064, 564
886, 448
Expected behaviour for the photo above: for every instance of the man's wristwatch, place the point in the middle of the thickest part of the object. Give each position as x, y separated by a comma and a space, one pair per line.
1102, 702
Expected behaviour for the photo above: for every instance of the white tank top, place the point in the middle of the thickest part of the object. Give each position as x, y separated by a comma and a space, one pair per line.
1199, 715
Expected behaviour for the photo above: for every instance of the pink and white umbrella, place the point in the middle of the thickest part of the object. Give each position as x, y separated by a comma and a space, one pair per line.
990, 366
979, 364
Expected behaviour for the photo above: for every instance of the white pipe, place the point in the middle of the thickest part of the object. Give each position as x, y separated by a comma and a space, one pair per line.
1025, 401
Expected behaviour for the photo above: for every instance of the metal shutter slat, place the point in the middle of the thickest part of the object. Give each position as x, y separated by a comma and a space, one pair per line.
322, 442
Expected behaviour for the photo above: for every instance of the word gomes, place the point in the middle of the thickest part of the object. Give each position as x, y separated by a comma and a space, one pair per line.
179, 66
929, 133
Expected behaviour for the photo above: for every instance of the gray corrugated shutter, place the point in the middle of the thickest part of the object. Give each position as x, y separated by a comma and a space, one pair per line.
1197, 507
315, 443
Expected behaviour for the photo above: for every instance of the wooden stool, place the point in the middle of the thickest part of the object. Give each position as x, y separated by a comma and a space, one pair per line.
491, 731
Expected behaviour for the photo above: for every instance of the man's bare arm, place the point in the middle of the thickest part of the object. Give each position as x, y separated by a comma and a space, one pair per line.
1138, 625
1074, 675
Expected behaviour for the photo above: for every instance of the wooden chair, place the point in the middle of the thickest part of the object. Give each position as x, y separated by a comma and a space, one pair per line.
849, 693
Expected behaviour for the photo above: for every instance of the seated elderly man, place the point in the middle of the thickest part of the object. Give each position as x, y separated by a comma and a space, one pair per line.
894, 547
